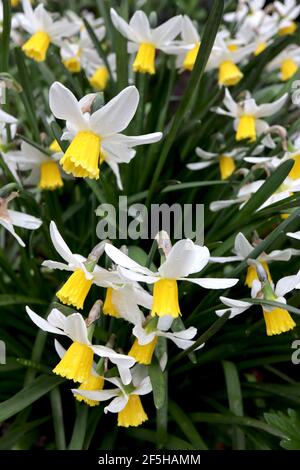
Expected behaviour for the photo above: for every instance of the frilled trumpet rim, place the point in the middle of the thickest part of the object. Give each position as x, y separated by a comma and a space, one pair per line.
76, 364
143, 353
75, 290
133, 413
165, 298
278, 321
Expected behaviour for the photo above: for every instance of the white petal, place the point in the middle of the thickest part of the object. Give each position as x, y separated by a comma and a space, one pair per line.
123, 27
135, 140
199, 165
213, 283
117, 405
101, 395
286, 285
135, 276
189, 32
24, 220
295, 235
76, 329
123, 260
266, 110
185, 258
59, 244
115, 116
57, 319
225, 259
241, 246
11, 229
144, 388
139, 23
65, 106
142, 336
42, 323
206, 155
56, 265
166, 32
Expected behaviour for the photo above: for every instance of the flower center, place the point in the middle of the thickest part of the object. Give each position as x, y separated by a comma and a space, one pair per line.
54, 147
108, 306
37, 46
229, 74
295, 171
252, 274
100, 78
73, 64
133, 413
145, 59
288, 29
191, 57
232, 47
143, 353
75, 290
82, 156
76, 364
50, 176
278, 321
288, 69
246, 128
260, 48
227, 166
165, 298
93, 383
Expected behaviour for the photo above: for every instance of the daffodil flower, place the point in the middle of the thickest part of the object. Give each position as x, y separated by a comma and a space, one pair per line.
97, 72
85, 272
242, 250
125, 399
77, 363
277, 319
288, 187
288, 12
225, 56
247, 115
186, 49
225, 160
10, 218
148, 332
94, 381
250, 12
144, 40
77, 53
185, 258
287, 63
45, 171
96, 137
43, 29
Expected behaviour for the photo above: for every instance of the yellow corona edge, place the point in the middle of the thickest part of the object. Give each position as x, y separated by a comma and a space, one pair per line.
246, 128
143, 353
76, 364
278, 321
294, 174
133, 413
227, 166
145, 59
229, 74
108, 306
37, 46
82, 156
93, 383
190, 58
50, 176
75, 290
165, 298
73, 64
288, 29
99, 79
288, 69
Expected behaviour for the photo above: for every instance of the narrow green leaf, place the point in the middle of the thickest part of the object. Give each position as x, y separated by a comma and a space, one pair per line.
158, 383
235, 399
58, 420
80, 427
5, 39
6, 299
186, 426
28, 395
